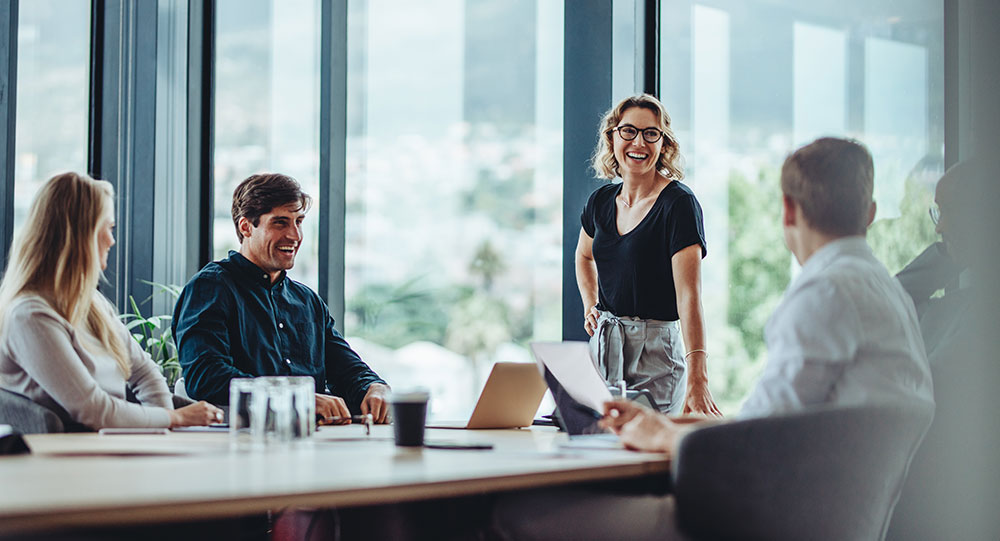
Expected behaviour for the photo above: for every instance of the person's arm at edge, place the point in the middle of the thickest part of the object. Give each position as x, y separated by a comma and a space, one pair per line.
686, 267
202, 338
643, 429
586, 280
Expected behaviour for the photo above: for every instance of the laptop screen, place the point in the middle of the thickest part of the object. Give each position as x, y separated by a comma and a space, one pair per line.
576, 418
576, 386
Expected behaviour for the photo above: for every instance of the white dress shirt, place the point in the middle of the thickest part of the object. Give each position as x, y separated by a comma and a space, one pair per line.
845, 333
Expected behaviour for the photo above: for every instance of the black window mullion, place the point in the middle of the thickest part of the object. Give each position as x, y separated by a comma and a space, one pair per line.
650, 29
586, 95
96, 99
332, 164
201, 132
8, 117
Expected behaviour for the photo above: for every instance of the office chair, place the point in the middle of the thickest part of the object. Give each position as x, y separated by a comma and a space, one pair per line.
27, 417
830, 473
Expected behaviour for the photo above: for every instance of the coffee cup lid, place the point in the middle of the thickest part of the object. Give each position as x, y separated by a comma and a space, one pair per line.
410, 395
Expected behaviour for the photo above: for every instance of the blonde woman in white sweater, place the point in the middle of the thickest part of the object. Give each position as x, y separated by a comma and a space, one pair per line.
61, 342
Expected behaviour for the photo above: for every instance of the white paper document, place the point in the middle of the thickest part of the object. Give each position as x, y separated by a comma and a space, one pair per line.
571, 364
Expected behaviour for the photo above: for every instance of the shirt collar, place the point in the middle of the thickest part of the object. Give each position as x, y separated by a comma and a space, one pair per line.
248, 269
822, 258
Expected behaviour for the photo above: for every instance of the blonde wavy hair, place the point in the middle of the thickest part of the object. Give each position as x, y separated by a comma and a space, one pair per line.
56, 256
604, 162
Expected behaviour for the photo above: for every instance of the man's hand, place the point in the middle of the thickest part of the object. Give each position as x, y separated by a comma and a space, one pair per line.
698, 400
639, 427
332, 406
376, 402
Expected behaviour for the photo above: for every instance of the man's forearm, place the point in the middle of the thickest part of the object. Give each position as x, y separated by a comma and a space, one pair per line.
208, 379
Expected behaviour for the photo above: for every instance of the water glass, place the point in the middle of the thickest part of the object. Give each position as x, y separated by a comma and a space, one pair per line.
271, 410
303, 406
241, 392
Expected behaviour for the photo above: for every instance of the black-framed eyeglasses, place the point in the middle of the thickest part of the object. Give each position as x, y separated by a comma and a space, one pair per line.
935, 213
629, 132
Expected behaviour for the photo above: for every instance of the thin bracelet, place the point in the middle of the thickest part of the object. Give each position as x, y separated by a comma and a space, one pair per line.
688, 354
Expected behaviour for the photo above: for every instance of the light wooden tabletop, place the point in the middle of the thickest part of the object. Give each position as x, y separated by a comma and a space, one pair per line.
89, 479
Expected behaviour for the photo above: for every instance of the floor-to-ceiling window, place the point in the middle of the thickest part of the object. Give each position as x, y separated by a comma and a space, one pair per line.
267, 110
53, 80
748, 82
454, 188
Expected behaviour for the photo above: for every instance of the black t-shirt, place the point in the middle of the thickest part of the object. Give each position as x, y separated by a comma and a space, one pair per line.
633, 270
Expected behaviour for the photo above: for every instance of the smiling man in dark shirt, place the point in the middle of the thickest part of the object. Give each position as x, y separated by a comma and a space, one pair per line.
243, 317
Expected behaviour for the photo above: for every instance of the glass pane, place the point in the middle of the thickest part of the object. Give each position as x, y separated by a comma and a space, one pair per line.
267, 110
454, 189
623, 50
748, 82
53, 78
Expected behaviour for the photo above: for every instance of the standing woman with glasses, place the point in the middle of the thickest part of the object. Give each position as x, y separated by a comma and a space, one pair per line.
61, 342
638, 262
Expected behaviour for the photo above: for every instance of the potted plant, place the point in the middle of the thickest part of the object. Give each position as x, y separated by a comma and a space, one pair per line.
154, 334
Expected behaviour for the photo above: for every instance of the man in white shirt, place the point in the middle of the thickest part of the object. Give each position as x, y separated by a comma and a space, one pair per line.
846, 332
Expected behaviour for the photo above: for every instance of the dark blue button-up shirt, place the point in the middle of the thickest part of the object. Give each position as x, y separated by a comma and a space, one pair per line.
232, 322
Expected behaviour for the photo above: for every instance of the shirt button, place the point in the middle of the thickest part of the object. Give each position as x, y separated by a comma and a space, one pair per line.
287, 361
281, 325
265, 277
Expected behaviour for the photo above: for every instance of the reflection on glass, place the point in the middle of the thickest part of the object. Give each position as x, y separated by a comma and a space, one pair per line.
53, 74
748, 82
267, 110
454, 189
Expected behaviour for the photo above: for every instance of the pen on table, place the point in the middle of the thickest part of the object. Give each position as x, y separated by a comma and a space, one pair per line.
338, 418
365, 419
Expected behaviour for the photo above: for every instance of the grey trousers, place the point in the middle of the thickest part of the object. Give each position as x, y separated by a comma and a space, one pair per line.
650, 354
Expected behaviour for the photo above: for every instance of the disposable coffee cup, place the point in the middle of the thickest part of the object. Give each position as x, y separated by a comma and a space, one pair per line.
409, 413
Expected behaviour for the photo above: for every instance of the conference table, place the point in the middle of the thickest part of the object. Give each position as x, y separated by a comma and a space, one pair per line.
81, 480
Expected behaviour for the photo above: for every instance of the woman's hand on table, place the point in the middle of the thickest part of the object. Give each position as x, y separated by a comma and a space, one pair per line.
198, 414
698, 400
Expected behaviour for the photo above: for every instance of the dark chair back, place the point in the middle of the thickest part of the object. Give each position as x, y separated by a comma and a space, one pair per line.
831, 473
27, 417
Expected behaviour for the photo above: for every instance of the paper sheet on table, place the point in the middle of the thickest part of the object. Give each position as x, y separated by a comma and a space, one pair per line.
571, 364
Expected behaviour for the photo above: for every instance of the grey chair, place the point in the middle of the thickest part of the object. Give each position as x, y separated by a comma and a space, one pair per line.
27, 417
832, 473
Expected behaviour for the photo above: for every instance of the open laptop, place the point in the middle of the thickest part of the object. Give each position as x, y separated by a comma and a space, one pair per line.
510, 398
579, 391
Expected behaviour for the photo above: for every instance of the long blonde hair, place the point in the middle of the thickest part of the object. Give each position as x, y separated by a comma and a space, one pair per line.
669, 162
56, 256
